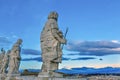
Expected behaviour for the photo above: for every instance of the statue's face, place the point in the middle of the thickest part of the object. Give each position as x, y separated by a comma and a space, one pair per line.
53, 15
19, 41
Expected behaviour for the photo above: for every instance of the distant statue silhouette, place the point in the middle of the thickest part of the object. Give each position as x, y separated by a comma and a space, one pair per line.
14, 61
5, 63
1, 57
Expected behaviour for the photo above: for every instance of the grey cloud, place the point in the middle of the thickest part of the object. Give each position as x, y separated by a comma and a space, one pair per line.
30, 52
4, 42
94, 48
65, 59
84, 58
33, 59
39, 59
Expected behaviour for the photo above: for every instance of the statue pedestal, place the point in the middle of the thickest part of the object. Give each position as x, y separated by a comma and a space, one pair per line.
46, 76
2, 76
12, 76
43, 74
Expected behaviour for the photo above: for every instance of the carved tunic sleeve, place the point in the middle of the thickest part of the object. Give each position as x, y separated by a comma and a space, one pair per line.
57, 34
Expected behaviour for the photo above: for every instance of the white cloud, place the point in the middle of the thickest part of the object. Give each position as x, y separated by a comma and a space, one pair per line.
115, 41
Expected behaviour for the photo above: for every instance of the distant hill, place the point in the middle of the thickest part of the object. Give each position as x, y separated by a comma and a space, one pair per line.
30, 70
84, 70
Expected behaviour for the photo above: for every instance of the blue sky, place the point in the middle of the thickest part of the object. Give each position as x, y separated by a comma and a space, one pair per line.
93, 36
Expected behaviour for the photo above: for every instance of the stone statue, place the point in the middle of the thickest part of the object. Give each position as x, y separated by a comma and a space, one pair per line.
2, 53
5, 62
14, 60
1, 56
51, 40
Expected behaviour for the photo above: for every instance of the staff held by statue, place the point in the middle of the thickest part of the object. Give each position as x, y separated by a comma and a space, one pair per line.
65, 36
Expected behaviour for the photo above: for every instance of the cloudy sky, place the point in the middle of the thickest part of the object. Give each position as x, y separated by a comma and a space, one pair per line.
93, 36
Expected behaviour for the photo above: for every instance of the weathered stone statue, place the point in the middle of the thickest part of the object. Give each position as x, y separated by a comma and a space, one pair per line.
51, 40
14, 60
1, 57
5, 62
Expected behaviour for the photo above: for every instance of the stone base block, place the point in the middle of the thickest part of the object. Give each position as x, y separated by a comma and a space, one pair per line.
52, 74
43, 74
13, 75
43, 78
2, 76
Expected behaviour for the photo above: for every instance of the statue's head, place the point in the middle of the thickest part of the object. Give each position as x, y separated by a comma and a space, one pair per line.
2, 49
53, 15
19, 41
